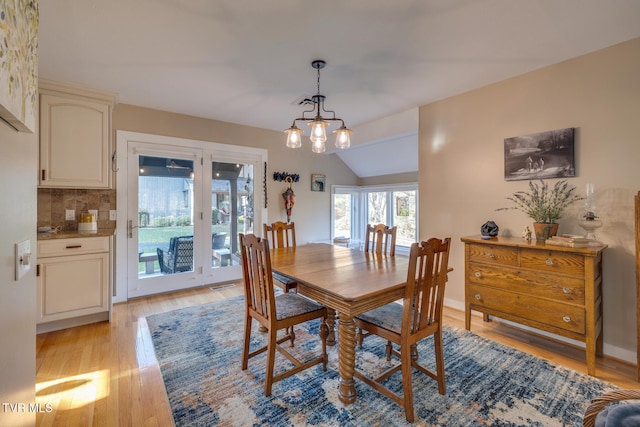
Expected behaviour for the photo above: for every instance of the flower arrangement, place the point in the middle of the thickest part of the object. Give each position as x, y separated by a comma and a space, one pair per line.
542, 204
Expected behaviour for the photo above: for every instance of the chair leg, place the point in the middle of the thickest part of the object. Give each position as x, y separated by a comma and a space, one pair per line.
439, 353
292, 334
271, 356
389, 348
407, 384
324, 333
247, 341
360, 338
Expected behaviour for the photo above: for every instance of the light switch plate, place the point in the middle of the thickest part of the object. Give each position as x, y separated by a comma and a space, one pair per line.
70, 214
112, 215
22, 258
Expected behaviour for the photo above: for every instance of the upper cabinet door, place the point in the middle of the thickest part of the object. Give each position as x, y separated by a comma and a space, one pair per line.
74, 142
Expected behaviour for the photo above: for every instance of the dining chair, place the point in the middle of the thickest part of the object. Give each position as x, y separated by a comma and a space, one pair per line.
380, 239
419, 316
282, 235
275, 313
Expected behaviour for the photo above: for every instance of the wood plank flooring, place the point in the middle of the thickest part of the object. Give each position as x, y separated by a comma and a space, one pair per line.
106, 374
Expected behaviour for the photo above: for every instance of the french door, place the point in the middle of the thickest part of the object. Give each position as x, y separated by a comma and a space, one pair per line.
186, 203
163, 228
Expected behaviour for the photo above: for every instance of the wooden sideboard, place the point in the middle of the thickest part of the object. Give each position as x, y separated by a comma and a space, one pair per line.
552, 288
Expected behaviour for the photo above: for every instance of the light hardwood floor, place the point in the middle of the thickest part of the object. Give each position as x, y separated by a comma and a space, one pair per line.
106, 374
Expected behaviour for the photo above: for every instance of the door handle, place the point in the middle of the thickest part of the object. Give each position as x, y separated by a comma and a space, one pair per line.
130, 227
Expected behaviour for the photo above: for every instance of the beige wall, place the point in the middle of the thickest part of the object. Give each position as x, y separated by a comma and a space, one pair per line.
310, 212
398, 178
462, 164
18, 182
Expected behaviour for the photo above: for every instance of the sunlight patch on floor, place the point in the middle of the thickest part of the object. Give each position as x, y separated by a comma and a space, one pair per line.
74, 391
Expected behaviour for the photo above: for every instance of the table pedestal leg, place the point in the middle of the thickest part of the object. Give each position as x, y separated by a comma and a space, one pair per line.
331, 323
346, 358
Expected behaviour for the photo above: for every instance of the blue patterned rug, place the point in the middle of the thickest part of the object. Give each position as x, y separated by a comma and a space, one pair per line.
488, 384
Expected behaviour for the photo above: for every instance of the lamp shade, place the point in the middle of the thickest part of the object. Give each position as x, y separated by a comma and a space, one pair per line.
318, 132
294, 137
343, 137
317, 146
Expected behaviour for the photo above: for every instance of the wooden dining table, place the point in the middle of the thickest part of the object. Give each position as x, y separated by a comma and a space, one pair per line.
348, 282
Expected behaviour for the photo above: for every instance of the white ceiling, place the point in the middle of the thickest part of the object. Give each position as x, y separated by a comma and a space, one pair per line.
248, 61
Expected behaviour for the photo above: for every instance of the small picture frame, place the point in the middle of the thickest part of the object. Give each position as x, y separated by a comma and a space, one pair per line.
318, 182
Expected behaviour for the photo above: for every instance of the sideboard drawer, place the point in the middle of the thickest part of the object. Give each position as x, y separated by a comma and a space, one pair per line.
492, 254
558, 262
544, 285
538, 310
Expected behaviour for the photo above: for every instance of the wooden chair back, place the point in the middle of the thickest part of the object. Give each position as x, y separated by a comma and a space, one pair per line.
280, 234
258, 279
380, 239
260, 301
419, 317
424, 292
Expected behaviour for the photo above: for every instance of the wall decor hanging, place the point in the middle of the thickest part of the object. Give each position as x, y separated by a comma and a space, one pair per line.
289, 199
264, 184
318, 182
284, 176
18, 62
540, 156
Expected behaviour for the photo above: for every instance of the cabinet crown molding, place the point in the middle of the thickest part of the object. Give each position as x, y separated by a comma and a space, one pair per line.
52, 87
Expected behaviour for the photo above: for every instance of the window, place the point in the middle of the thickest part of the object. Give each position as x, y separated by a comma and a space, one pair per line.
355, 207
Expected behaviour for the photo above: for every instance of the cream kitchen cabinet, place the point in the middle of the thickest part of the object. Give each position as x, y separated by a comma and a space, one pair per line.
75, 136
73, 277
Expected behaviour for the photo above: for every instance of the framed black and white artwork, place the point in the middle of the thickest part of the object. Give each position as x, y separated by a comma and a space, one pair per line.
540, 155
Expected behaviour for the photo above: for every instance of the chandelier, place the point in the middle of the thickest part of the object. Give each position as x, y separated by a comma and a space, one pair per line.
318, 123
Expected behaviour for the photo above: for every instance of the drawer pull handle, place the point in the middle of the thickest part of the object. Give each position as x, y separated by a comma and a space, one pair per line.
478, 274
73, 246
478, 297
566, 290
491, 255
549, 261
566, 319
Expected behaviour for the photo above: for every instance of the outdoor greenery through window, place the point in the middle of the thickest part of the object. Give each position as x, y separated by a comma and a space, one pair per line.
355, 207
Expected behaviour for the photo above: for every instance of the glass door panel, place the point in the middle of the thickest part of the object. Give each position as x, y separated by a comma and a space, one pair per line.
165, 215
232, 210
163, 211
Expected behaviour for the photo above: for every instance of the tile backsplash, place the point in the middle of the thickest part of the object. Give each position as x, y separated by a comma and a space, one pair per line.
53, 203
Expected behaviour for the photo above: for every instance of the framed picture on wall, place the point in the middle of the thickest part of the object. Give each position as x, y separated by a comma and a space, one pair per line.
540, 155
318, 182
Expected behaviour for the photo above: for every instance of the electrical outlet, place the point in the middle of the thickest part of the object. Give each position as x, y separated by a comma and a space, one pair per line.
112, 215
70, 215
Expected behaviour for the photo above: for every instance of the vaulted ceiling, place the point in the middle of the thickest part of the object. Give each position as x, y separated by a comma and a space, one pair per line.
248, 61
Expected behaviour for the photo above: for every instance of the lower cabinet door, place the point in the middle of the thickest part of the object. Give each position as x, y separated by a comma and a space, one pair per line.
72, 286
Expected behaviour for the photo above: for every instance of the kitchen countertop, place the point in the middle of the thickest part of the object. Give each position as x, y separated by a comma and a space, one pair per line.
73, 234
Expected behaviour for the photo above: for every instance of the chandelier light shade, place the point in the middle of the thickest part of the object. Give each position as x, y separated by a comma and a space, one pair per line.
318, 123
294, 136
